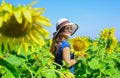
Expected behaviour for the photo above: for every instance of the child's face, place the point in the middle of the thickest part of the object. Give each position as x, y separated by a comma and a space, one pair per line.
68, 30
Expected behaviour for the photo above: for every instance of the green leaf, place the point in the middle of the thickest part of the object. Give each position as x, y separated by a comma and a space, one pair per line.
94, 48
14, 60
102, 70
116, 74
109, 72
94, 63
50, 74
65, 64
45, 61
8, 74
10, 67
102, 51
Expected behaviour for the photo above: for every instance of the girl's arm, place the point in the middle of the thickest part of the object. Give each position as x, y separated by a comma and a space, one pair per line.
66, 56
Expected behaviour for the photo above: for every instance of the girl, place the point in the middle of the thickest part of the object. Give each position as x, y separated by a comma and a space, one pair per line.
60, 48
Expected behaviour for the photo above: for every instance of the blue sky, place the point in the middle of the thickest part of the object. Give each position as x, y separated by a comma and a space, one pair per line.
92, 16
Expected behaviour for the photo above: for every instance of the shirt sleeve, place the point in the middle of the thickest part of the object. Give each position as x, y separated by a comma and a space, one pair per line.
64, 44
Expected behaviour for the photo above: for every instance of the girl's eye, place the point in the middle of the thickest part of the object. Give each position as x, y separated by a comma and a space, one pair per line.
68, 28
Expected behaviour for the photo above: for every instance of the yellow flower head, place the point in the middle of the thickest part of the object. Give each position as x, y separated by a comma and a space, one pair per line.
112, 32
113, 44
22, 26
114, 41
110, 50
81, 54
79, 44
110, 40
105, 33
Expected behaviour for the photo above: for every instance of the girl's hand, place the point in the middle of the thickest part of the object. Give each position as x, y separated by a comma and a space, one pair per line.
79, 57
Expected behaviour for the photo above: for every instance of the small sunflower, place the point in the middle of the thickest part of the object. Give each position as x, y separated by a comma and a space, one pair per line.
113, 39
112, 46
79, 45
112, 32
81, 54
110, 41
105, 33
22, 26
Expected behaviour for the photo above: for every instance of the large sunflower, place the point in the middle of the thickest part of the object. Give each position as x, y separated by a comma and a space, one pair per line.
79, 45
21, 27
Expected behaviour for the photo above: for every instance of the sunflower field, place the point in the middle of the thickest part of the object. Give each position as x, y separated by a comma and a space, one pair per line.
24, 48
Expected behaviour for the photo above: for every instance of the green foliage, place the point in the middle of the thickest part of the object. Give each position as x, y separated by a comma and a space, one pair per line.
38, 64
99, 64
10, 68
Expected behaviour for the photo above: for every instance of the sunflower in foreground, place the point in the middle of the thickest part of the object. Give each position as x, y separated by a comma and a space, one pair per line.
21, 27
79, 46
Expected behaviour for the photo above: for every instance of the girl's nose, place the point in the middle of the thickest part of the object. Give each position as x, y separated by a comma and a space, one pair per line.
70, 31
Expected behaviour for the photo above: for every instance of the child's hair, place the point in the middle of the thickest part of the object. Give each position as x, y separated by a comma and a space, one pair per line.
56, 41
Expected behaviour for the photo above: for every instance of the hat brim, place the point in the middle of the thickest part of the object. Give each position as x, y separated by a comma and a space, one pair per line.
74, 28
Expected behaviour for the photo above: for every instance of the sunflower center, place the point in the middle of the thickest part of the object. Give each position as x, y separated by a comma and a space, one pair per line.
78, 45
13, 29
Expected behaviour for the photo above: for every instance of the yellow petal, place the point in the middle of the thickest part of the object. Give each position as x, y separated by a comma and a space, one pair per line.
1, 21
3, 2
37, 11
18, 15
32, 49
39, 38
42, 31
11, 45
42, 20
6, 7
27, 14
34, 2
25, 46
6, 17
32, 38
19, 50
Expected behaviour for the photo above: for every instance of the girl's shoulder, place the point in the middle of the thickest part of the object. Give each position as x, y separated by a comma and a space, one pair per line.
65, 43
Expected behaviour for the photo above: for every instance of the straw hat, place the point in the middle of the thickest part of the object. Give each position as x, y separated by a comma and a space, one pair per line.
65, 22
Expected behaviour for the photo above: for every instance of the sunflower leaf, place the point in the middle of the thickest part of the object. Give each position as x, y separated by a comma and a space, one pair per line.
10, 67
